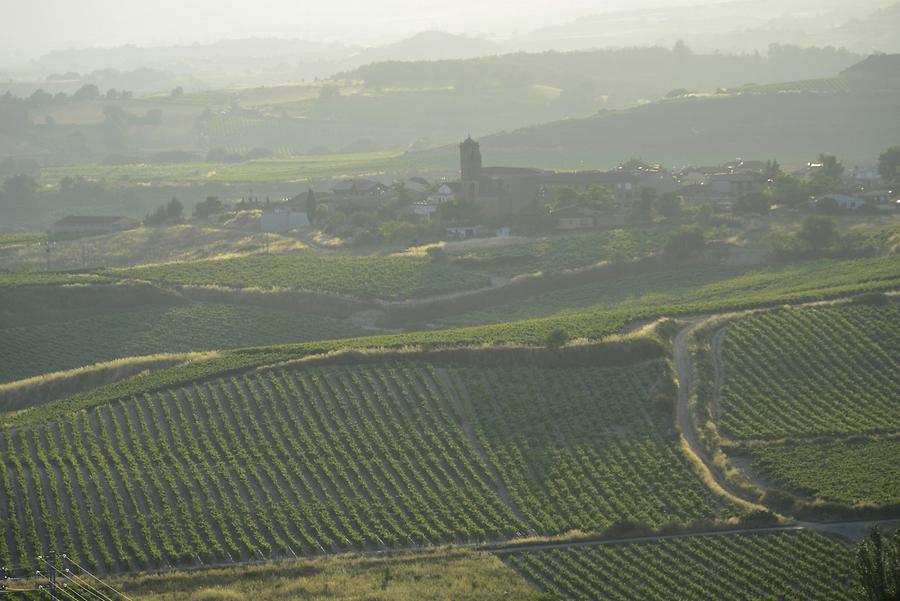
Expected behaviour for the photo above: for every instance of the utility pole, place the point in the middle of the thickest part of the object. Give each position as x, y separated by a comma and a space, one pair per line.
52, 575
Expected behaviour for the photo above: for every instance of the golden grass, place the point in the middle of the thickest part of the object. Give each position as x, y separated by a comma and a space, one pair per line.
441, 575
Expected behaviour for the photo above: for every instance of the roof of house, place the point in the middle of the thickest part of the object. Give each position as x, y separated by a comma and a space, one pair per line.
87, 220
574, 211
345, 185
840, 197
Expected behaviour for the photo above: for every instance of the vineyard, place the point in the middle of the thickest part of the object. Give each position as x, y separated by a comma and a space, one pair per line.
390, 278
691, 290
36, 348
848, 472
567, 252
784, 566
809, 397
21, 238
812, 372
293, 168
297, 463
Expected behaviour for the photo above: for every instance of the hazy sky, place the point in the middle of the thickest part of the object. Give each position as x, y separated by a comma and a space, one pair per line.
31, 27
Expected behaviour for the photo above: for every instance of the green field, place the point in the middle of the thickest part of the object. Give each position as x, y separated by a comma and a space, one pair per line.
701, 289
566, 252
21, 238
143, 245
826, 380
850, 472
37, 348
809, 282
292, 168
785, 566
812, 372
389, 278
328, 459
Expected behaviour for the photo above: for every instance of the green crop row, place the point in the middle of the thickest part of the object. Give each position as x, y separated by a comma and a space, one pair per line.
297, 463
784, 566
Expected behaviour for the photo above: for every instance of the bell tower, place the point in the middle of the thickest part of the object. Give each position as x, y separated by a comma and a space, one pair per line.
470, 168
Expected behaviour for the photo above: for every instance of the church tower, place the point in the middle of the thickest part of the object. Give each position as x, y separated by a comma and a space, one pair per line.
470, 168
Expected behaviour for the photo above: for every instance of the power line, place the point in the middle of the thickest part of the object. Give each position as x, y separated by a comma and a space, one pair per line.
73, 587
107, 585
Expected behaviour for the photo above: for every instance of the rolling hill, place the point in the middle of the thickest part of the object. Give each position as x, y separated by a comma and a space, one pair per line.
792, 126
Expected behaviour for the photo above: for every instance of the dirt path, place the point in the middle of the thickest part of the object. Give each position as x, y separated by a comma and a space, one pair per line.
684, 371
849, 530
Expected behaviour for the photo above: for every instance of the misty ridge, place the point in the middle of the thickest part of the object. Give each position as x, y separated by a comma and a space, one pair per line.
459, 300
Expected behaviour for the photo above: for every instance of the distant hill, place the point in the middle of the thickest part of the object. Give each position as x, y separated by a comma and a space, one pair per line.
727, 27
790, 126
430, 45
611, 78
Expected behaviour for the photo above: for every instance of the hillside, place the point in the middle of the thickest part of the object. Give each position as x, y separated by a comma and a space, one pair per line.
809, 398
700, 130
349, 458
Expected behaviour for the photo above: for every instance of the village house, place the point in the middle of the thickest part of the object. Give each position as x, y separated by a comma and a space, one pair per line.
841, 201
359, 193
736, 185
575, 218
429, 206
512, 190
83, 225
463, 232
876, 197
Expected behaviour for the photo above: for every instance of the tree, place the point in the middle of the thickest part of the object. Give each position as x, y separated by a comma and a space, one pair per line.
818, 231
459, 211
177, 92
19, 190
311, 205
670, 205
87, 92
878, 567
174, 210
403, 197
681, 49
889, 165
752, 203
210, 206
556, 339
40, 98
598, 197
790, 191
827, 178
685, 241
437, 254
831, 167
157, 217
642, 208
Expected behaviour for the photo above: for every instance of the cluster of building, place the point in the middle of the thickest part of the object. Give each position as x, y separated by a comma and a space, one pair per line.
510, 191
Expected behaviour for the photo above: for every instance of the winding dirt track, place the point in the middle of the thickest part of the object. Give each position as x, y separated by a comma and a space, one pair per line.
681, 357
